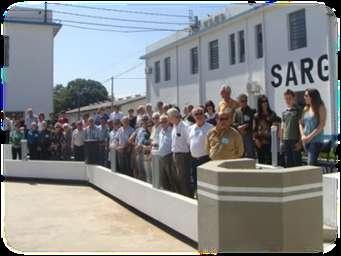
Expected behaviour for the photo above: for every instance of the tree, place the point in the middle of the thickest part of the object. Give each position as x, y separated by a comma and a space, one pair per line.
86, 91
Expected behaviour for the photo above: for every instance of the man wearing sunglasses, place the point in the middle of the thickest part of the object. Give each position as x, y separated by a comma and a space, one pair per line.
224, 141
197, 136
243, 119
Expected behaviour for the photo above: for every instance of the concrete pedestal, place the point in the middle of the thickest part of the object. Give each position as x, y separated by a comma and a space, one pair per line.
155, 168
24, 149
112, 158
242, 209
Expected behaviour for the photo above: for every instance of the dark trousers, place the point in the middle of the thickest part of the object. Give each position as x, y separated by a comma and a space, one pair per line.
16, 152
264, 154
167, 173
7, 133
33, 151
313, 150
124, 161
182, 163
44, 154
292, 157
195, 162
91, 152
79, 153
102, 154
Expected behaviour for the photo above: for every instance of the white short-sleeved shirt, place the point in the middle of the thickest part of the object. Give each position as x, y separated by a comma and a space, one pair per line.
180, 138
197, 136
116, 116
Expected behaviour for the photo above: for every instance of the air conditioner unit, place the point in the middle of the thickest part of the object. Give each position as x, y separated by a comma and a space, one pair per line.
148, 70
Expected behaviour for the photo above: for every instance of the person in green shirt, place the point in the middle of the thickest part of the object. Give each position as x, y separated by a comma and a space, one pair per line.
290, 131
15, 139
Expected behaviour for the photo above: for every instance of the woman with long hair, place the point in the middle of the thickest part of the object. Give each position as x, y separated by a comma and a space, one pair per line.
210, 113
312, 124
262, 122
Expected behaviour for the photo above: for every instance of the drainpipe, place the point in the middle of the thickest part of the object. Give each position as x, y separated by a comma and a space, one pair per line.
202, 94
333, 87
177, 75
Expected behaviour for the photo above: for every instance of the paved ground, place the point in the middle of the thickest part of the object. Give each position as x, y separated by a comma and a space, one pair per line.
75, 218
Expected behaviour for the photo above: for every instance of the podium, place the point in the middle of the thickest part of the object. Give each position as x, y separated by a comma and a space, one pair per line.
91, 148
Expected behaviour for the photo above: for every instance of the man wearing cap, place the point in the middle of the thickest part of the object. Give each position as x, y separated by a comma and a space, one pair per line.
181, 155
223, 141
227, 102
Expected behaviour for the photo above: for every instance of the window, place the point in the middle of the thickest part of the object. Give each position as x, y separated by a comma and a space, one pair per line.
6, 51
194, 60
214, 54
167, 63
259, 41
157, 71
232, 50
297, 30
241, 46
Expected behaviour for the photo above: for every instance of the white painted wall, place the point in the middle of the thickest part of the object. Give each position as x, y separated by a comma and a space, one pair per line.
29, 76
60, 170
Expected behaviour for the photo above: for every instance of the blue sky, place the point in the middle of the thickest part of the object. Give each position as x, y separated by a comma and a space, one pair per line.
98, 55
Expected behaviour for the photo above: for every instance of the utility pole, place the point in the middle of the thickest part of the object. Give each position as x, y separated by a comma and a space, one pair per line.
45, 13
112, 93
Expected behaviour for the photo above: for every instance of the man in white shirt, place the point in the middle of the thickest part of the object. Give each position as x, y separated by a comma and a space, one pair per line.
77, 143
197, 137
181, 155
116, 114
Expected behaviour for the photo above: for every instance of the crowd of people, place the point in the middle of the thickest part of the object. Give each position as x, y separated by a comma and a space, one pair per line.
183, 139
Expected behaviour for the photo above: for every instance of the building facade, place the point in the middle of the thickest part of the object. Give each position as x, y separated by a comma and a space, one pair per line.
28, 73
124, 103
257, 49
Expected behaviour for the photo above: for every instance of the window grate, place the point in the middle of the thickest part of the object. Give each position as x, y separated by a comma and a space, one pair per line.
297, 30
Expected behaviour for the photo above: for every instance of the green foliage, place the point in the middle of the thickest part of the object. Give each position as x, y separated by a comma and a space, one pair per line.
86, 91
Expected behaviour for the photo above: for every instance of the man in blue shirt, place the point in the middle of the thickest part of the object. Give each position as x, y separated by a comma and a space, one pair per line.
166, 164
32, 141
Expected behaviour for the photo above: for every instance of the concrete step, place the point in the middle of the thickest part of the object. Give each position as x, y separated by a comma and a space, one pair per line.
329, 234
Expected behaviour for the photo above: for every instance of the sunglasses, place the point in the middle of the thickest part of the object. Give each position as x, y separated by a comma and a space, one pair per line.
224, 119
198, 113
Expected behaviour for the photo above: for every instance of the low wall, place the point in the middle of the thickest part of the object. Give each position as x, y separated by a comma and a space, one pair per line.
60, 170
175, 211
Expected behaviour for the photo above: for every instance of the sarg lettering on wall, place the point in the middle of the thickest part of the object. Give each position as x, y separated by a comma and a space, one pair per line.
309, 72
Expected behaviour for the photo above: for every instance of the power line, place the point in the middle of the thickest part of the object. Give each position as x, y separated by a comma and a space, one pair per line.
120, 10
109, 30
119, 19
116, 26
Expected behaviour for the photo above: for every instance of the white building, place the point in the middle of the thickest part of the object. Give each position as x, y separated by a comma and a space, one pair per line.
29, 36
256, 49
